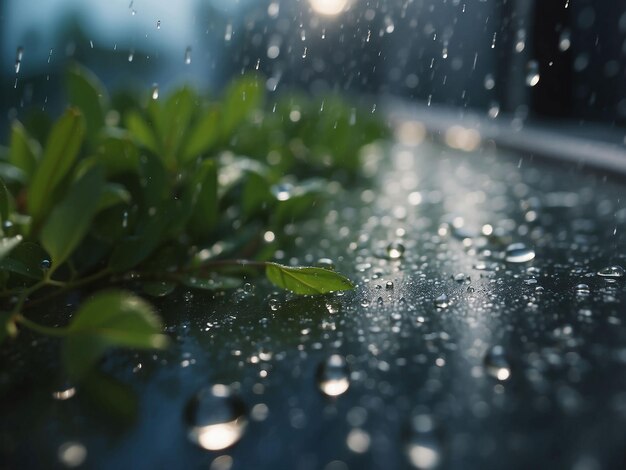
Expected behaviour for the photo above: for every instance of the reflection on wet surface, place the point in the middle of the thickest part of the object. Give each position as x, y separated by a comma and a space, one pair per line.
486, 331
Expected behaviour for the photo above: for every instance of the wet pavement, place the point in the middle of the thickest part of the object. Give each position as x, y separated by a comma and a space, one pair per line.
482, 334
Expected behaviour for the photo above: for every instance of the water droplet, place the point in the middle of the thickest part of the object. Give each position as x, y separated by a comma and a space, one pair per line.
283, 191
158, 24
131, 55
155, 91
45, 264
519, 253
395, 250
333, 306
442, 301
564, 40
389, 285
64, 390
423, 448
325, 263
18, 59
274, 304
188, 55
216, 418
582, 290
72, 454
532, 73
461, 277
611, 272
333, 376
497, 364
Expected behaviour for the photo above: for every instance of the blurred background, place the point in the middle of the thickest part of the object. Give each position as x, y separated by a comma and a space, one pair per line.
557, 60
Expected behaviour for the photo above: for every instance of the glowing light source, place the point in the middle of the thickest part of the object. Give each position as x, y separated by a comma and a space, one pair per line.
329, 7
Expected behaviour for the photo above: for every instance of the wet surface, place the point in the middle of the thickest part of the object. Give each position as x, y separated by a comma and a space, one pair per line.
486, 331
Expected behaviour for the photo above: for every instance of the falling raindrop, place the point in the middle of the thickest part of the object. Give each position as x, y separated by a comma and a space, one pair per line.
131, 55
215, 418
18, 59
333, 376
155, 91
496, 363
519, 253
614, 272
188, 55
158, 24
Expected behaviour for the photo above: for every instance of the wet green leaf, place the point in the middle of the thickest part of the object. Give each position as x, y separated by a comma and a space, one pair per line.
158, 288
113, 194
24, 151
178, 111
4, 201
307, 280
25, 259
110, 396
8, 244
88, 94
70, 219
59, 156
205, 213
141, 131
242, 97
110, 319
203, 135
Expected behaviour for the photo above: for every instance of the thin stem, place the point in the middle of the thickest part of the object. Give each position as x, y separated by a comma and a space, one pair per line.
44, 330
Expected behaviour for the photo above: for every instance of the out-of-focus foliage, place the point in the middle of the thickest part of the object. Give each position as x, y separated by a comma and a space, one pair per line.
167, 191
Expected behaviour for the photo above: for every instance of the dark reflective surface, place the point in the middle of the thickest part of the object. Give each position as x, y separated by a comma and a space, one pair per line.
519, 367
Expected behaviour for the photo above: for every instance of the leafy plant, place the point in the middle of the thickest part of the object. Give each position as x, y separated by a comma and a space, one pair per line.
162, 192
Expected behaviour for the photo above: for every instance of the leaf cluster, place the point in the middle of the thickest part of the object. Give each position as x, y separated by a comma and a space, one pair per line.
164, 192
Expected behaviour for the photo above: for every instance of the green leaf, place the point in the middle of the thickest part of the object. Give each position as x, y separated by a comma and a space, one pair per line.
153, 179
203, 135
242, 97
113, 194
25, 259
307, 280
158, 288
141, 131
7, 326
113, 398
69, 221
88, 94
4, 201
24, 151
59, 156
8, 244
118, 152
110, 319
205, 212
178, 111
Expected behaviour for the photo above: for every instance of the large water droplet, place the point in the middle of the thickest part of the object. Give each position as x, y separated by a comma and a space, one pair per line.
442, 301
423, 448
519, 253
333, 376
582, 290
155, 91
395, 250
216, 418
188, 56
612, 272
497, 364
